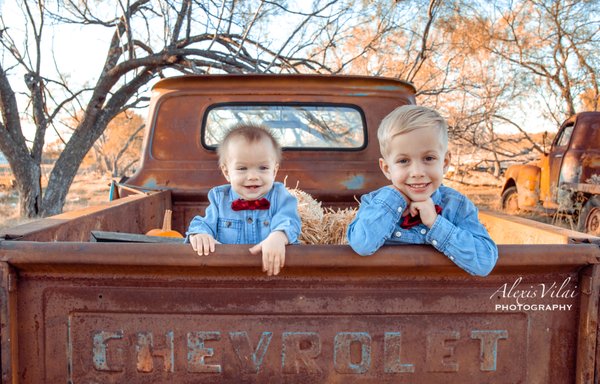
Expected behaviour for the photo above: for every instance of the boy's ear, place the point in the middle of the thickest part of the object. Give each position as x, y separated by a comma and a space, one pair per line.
225, 171
275, 169
447, 158
385, 168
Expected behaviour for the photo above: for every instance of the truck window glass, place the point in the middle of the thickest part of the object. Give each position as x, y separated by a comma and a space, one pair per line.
295, 126
564, 138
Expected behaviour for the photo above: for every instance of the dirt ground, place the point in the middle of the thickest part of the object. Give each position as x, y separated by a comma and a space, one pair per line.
91, 189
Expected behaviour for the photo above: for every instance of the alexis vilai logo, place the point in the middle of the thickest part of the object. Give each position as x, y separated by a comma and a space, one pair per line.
536, 296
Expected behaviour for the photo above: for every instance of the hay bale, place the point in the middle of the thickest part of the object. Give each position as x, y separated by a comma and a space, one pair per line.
311, 216
335, 223
321, 225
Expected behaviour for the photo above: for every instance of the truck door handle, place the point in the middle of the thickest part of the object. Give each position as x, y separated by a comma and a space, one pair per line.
559, 155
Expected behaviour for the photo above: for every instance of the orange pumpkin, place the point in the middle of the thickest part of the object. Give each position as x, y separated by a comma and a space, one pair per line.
166, 230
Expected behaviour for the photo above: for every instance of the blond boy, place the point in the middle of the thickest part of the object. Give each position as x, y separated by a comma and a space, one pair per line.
416, 208
252, 208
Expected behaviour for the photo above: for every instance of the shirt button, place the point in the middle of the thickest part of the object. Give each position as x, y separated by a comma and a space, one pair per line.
249, 220
434, 242
451, 258
266, 223
398, 234
423, 231
400, 209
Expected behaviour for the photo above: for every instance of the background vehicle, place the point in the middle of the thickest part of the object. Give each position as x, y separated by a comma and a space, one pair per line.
567, 178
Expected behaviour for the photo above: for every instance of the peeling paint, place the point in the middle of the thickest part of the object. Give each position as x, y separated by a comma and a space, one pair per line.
356, 182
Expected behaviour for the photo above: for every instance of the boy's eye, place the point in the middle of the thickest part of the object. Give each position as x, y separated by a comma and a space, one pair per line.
241, 168
263, 168
402, 161
430, 158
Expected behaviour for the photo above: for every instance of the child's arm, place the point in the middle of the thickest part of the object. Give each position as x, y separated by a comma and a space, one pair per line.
285, 229
465, 240
377, 216
202, 231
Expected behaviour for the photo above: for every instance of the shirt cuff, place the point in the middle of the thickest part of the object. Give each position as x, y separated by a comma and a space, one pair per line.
392, 199
440, 233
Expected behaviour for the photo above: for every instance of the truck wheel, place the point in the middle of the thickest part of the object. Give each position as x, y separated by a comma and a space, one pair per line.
510, 202
589, 218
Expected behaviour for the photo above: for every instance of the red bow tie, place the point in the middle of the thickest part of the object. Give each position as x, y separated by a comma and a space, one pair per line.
242, 205
409, 221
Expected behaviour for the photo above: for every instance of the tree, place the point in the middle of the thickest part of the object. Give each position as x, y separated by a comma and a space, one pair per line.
150, 39
554, 43
118, 149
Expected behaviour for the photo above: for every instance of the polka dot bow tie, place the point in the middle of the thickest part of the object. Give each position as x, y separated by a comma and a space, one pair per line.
244, 205
409, 221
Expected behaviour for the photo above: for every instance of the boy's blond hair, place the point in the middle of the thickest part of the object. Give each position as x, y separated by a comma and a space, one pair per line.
407, 118
252, 133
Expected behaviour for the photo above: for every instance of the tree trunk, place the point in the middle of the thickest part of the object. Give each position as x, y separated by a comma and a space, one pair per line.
30, 191
65, 169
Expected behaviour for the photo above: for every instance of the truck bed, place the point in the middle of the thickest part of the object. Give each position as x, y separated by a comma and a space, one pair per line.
83, 312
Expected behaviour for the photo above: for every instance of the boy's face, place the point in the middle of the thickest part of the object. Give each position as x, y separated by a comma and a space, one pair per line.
416, 162
250, 168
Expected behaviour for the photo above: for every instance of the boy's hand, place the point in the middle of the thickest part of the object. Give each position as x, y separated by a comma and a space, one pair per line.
203, 243
273, 252
426, 209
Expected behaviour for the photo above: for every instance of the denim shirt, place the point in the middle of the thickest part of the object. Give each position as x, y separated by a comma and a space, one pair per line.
247, 227
456, 232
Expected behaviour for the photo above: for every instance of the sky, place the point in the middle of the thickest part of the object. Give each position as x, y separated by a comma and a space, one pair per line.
82, 55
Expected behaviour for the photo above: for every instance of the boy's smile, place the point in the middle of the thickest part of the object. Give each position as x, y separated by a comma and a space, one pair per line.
250, 167
416, 162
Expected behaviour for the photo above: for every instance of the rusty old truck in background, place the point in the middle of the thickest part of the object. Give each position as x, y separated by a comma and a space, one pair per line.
85, 297
566, 179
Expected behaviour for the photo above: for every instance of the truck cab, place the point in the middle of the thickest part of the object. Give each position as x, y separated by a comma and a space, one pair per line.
565, 179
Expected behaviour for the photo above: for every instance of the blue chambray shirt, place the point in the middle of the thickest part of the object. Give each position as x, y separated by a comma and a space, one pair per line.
247, 227
457, 231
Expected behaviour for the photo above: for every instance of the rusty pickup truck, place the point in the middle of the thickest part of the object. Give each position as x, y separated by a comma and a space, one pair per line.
566, 179
86, 297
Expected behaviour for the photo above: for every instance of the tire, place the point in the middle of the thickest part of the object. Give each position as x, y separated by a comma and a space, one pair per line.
510, 202
589, 218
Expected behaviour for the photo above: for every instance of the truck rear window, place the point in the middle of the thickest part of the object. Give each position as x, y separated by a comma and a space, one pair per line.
296, 126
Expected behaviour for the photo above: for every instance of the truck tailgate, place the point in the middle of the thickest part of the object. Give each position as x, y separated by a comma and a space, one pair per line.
139, 313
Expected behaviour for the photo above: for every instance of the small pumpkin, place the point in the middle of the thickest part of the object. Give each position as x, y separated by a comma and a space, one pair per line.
166, 230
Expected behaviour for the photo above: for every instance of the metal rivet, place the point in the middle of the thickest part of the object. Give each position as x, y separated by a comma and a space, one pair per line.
249, 220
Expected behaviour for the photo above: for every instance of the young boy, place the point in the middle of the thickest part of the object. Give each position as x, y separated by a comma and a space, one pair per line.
417, 208
253, 208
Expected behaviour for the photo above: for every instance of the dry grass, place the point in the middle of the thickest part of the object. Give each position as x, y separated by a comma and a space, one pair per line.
87, 189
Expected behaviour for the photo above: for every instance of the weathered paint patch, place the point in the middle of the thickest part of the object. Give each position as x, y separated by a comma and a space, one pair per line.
250, 359
489, 347
299, 351
343, 361
150, 183
356, 182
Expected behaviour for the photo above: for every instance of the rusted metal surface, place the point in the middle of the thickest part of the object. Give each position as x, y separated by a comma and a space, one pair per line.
179, 106
114, 313
137, 214
586, 368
